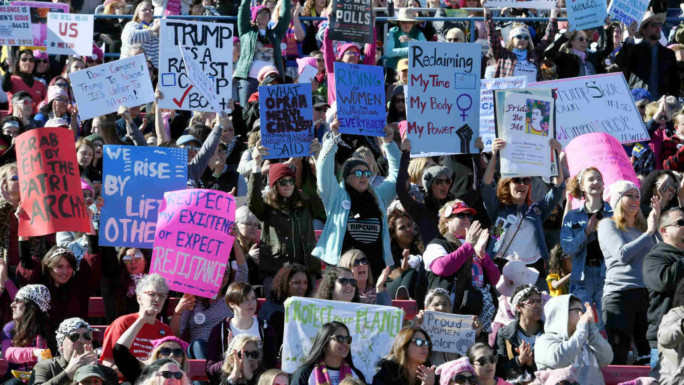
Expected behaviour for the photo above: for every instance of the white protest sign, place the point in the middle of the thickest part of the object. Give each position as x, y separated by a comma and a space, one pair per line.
585, 14
308, 73
373, 329
598, 103
487, 86
627, 11
69, 34
15, 26
451, 333
534, 4
102, 89
211, 47
202, 82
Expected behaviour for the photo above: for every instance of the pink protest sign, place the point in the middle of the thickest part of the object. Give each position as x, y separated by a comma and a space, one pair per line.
192, 240
604, 152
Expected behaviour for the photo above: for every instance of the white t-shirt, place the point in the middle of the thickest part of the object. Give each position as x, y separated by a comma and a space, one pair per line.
527, 69
252, 331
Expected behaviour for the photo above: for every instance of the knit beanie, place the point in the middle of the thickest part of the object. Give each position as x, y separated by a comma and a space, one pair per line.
618, 189
38, 294
277, 171
344, 48
54, 92
432, 173
449, 369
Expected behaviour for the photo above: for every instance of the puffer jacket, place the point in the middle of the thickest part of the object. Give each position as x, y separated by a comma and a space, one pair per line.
671, 347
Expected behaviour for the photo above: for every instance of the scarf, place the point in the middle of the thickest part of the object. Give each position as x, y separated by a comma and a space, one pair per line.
321, 373
454, 239
363, 203
582, 55
520, 53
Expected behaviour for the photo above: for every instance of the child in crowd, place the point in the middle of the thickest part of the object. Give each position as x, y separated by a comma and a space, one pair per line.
560, 267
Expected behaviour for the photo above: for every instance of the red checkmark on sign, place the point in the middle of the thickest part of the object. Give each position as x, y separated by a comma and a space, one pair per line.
180, 103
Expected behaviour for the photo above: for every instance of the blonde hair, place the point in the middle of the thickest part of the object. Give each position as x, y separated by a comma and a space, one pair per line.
364, 153
349, 257
651, 109
154, 355
443, 226
530, 44
267, 377
620, 219
6, 170
237, 344
416, 167
136, 13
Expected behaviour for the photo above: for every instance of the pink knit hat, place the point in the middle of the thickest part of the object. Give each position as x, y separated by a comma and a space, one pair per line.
305, 61
40, 54
255, 11
86, 186
184, 345
97, 54
264, 72
449, 369
54, 92
344, 48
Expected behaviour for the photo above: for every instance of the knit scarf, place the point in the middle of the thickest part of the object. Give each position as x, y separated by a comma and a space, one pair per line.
321, 373
454, 240
520, 53
582, 55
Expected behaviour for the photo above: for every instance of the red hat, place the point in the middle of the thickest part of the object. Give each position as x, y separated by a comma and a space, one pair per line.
278, 171
458, 208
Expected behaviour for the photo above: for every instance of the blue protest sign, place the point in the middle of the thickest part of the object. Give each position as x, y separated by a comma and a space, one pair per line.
133, 186
585, 14
286, 120
360, 99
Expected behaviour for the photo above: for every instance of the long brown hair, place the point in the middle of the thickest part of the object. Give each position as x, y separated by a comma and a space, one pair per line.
503, 192
574, 183
32, 324
281, 203
399, 351
51, 260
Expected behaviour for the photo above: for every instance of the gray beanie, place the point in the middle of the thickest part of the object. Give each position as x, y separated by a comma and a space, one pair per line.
432, 173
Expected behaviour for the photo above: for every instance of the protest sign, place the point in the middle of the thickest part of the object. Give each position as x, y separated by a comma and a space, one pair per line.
360, 99
39, 15
351, 20
286, 120
211, 47
585, 14
598, 103
70, 34
192, 240
627, 11
527, 128
135, 179
533, 4
50, 183
451, 333
15, 29
308, 74
200, 80
102, 89
442, 98
373, 329
487, 86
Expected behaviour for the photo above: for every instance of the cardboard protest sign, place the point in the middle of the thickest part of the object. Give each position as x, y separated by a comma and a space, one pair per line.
373, 329
286, 120
598, 103
50, 183
39, 15
627, 11
487, 86
211, 46
351, 20
15, 29
442, 98
102, 89
527, 128
135, 180
585, 14
451, 333
192, 241
360, 99
70, 34
202, 82
534, 4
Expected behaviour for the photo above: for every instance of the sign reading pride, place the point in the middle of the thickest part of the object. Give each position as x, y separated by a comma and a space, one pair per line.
598, 103
70, 34
102, 89
451, 333
351, 20
211, 46
443, 98
286, 120
135, 179
372, 327
534, 4
50, 183
360, 99
192, 240
627, 11
16, 27
487, 86
586, 14
39, 11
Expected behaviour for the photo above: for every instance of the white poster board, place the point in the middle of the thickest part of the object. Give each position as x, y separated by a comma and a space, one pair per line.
487, 87
15, 26
70, 34
202, 82
534, 4
450, 333
627, 11
102, 89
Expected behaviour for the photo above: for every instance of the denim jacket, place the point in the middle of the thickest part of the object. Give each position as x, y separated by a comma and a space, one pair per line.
574, 240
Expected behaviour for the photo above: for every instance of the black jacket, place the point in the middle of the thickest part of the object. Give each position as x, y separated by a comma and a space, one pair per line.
303, 373
507, 340
663, 269
388, 374
635, 62
568, 64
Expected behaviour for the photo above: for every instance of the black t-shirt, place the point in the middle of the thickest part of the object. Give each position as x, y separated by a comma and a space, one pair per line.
594, 252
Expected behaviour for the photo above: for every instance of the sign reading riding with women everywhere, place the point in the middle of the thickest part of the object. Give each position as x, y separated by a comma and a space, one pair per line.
211, 46
70, 34
16, 28
372, 328
193, 240
286, 120
360, 99
443, 98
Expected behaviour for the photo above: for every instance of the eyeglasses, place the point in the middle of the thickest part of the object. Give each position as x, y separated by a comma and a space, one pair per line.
343, 339
14, 178
521, 180
29, 59
168, 374
90, 61
249, 224
463, 379
127, 259
421, 342
522, 37
360, 173
41, 61
166, 352
155, 295
88, 336
360, 261
482, 361
249, 354
191, 148
441, 181
222, 152
532, 302
351, 53
62, 85
26, 102
347, 281
286, 182
60, 100
678, 223
402, 100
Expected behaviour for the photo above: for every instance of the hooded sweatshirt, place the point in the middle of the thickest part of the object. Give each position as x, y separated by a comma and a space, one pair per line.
586, 349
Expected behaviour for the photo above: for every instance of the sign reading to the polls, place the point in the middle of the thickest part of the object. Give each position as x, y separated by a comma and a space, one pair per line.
39, 11
443, 98
451, 333
360, 99
202, 82
586, 14
102, 89
286, 120
15, 29
627, 11
135, 179
598, 103
350, 20
211, 46
487, 125
192, 240
372, 328
70, 34
50, 183
534, 4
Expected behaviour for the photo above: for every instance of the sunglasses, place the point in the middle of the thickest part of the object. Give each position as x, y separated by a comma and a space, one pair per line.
347, 281
88, 336
421, 342
14, 178
129, 258
343, 339
29, 59
521, 180
62, 85
192, 148
678, 223
168, 374
463, 379
352, 53
581, 39
60, 100
249, 354
41, 60
166, 352
482, 361
286, 182
522, 37
441, 181
359, 173
26, 102
319, 109
364, 261
464, 216
90, 61
400, 101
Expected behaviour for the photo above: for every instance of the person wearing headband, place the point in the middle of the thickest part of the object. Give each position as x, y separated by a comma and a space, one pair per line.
12, 126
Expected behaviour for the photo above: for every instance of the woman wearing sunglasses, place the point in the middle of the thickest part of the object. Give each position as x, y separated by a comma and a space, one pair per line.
163, 371
457, 372
356, 261
482, 358
120, 282
242, 364
20, 78
132, 368
339, 284
329, 358
569, 52
408, 362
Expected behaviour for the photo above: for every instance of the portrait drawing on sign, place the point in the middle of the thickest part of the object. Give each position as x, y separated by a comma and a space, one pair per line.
537, 117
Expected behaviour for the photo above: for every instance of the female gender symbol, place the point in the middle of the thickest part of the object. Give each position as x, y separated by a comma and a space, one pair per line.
464, 109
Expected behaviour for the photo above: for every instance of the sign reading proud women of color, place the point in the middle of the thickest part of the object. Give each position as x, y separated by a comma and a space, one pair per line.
487, 125
372, 328
135, 179
211, 46
70, 34
102, 89
50, 183
192, 240
39, 11
598, 103
360, 99
627, 11
443, 98
451, 333
286, 120
586, 14
15, 29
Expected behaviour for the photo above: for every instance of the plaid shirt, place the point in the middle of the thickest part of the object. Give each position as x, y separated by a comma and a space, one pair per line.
671, 153
506, 59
